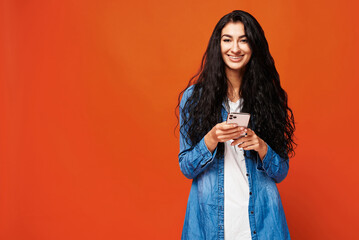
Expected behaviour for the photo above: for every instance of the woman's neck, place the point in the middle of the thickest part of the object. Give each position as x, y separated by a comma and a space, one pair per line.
234, 84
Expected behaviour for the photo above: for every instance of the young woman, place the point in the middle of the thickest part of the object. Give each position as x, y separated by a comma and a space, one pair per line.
234, 193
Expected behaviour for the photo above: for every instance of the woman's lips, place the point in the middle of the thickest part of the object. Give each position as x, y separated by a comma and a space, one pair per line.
235, 58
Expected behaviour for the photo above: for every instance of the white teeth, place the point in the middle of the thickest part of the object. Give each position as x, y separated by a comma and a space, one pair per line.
235, 57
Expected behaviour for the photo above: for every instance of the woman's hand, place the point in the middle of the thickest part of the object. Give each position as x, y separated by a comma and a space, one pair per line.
252, 142
222, 132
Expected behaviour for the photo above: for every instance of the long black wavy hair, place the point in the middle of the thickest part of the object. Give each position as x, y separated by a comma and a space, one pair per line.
263, 97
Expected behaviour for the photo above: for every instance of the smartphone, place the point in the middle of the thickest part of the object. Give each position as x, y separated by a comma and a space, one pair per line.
241, 119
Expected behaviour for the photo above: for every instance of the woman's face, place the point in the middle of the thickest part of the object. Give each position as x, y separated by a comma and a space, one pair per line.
235, 49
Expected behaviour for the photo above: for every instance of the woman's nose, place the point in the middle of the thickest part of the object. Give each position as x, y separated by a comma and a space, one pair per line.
235, 48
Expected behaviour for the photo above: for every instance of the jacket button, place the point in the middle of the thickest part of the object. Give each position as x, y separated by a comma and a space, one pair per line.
250, 193
252, 212
254, 232
247, 174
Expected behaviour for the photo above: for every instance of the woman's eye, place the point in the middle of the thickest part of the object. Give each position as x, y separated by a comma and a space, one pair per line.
244, 40
226, 40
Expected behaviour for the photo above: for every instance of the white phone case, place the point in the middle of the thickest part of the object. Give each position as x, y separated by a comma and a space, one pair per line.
241, 119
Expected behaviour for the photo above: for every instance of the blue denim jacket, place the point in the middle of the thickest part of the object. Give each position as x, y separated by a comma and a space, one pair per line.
205, 208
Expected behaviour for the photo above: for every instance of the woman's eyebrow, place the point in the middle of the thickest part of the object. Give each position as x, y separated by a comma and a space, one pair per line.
230, 36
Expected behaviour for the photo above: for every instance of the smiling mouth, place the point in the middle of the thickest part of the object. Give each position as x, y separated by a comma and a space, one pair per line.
235, 58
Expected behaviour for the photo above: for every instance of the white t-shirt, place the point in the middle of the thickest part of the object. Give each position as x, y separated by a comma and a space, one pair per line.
236, 189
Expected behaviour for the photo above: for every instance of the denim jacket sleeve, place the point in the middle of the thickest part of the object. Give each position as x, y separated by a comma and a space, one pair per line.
192, 159
274, 165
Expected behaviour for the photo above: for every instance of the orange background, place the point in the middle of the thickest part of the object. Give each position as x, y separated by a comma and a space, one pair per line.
87, 97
